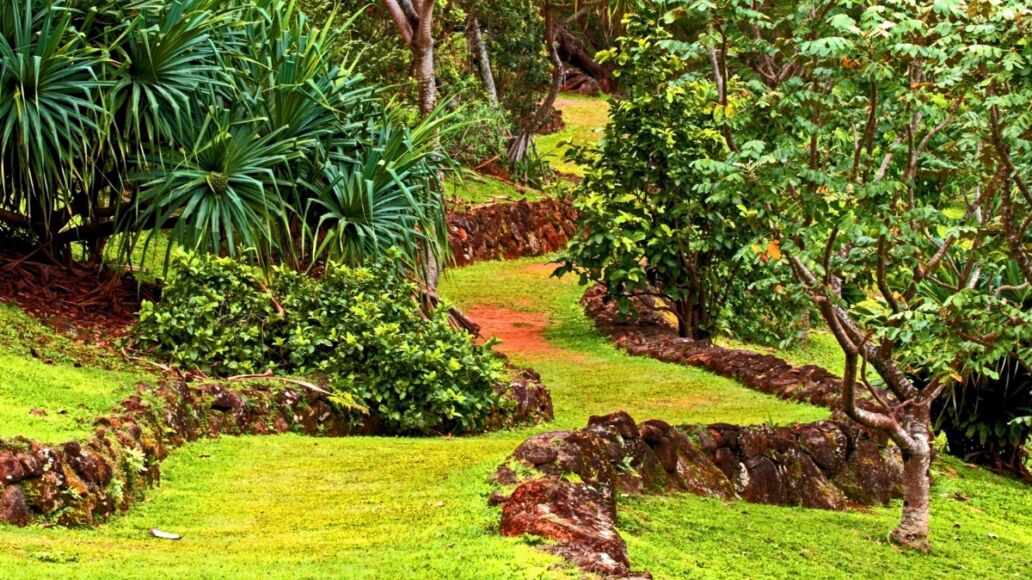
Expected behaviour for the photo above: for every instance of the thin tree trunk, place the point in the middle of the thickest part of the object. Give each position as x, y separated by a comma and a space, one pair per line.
423, 49
684, 314
541, 115
483, 61
521, 145
415, 22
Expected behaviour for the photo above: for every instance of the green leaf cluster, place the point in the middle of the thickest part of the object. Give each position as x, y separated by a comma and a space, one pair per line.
236, 126
653, 225
358, 327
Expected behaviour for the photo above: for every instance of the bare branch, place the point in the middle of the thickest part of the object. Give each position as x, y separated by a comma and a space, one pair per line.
400, 18
883, 285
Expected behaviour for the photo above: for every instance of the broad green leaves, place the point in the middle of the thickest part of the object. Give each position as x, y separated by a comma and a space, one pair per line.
654, 223
359, 328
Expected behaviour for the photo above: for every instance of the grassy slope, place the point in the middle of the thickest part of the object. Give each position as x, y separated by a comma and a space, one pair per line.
982, 524
582, 115
597, 378
820, 349
71, 383
398, 507
475, 188
383, 507
295, 507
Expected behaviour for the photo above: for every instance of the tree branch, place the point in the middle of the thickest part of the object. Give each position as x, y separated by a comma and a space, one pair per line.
400, 19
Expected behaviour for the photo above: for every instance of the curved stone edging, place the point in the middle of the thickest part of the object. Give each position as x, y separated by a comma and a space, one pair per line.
648, 334
86, 482
565, 482
510, 230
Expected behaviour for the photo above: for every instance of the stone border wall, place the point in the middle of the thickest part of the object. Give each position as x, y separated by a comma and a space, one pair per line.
86, 482
564, 483
647, 333
510, 230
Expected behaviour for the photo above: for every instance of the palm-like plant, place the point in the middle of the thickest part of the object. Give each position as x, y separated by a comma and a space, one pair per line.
221, 192
225, 123
48, 113
383, 195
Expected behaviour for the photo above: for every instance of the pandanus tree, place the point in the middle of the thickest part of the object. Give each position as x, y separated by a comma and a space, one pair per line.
877, 143
229, 125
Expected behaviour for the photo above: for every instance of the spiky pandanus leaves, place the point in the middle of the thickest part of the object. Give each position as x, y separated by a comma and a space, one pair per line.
49, 117
221, 193
383, 195
230, 124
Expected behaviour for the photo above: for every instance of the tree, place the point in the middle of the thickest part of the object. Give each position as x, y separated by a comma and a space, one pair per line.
415, 22
648, 228
859, 134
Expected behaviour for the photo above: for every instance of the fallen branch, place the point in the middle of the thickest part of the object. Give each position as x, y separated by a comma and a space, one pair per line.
168, 370
267, 376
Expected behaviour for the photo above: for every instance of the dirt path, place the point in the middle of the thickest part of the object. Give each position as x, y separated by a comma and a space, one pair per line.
521, 332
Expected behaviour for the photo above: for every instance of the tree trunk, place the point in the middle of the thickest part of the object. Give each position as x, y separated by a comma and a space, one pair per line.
483, 60
579, 57
684, 328
521, 144
423, 50
541, 115
917, 459
692, 319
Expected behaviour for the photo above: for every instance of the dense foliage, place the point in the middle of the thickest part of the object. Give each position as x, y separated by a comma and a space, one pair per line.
512, 35
876, 144
359, 328
651, 228
234, 125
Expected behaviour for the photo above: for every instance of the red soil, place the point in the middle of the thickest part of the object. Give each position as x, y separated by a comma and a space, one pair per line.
520, 332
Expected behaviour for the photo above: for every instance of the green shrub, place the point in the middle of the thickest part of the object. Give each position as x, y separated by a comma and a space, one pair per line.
360, 327
650, 224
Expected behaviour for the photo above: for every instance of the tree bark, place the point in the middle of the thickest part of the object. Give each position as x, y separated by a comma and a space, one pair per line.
578, 56
521, 145
483, 60
415, 22
907, 420
400, 19
423, 49
912, 531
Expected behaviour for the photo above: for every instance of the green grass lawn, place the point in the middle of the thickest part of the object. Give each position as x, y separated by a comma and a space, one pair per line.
821, 349
476, 189
981, 528
297, 507
293, 507
584, 117
42, 370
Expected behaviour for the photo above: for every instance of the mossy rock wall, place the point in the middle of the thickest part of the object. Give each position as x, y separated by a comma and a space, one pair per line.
824, 465
510, 230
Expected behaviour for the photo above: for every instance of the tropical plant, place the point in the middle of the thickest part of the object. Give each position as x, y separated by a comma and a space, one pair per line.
359, 328
986, 416
871, 142
230, 125
648, 226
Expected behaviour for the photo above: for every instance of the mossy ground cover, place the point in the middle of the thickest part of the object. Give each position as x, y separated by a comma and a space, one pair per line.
276, 507
583, 116
981, 527
389, 507
294, 507
477, 189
